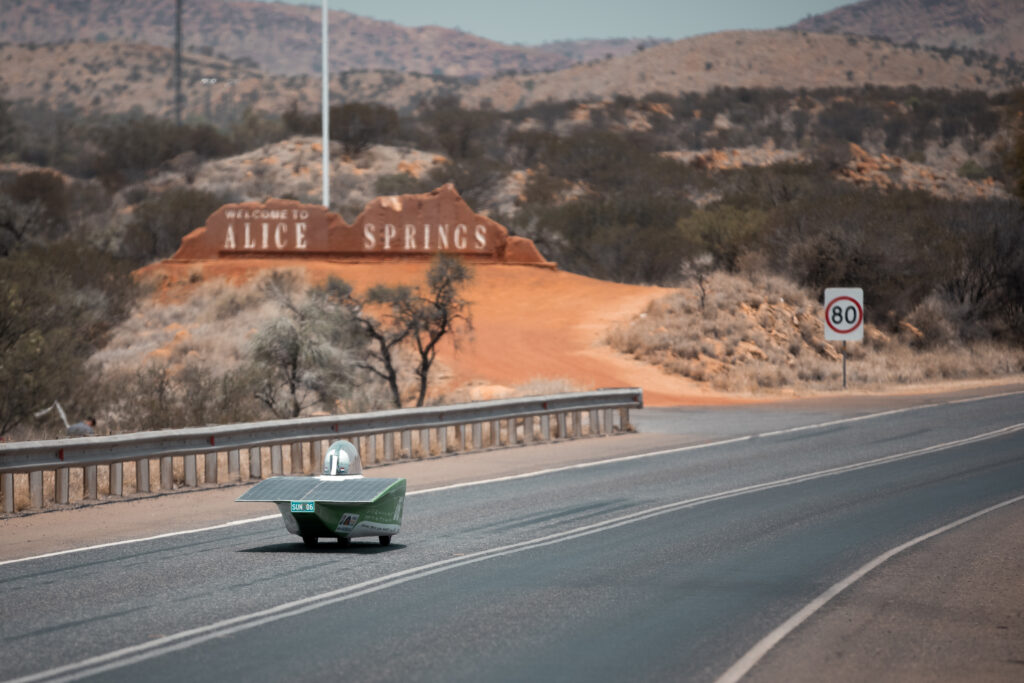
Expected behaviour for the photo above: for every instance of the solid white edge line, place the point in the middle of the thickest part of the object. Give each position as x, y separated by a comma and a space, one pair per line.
129, 541
194, 636
537, 473
745, 663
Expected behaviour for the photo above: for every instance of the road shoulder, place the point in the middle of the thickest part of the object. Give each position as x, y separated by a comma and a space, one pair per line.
950, 609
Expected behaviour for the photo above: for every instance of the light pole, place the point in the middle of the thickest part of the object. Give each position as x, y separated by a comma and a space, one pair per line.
177, 62
325, 110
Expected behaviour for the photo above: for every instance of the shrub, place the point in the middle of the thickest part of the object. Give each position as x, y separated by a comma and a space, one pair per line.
158, 223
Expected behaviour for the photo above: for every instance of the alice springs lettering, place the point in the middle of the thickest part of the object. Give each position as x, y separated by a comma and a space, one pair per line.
423, 237
275, 229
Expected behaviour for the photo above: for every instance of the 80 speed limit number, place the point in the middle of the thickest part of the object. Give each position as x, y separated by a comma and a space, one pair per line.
844, 314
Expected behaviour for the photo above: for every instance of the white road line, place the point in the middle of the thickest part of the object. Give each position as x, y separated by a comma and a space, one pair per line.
170, 534
191, 637
745, 663
539, 473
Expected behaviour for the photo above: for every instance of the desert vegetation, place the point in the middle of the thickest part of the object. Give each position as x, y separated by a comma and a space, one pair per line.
628, 189
755, 332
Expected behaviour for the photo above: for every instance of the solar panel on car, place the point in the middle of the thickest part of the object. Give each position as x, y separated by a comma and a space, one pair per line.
350, 491
330, 491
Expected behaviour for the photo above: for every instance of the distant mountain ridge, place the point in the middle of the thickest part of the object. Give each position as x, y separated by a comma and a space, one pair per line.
995, 26
119, 77
285, 39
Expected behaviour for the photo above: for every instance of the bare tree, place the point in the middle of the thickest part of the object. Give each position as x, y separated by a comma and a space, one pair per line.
389, 316
697, 270
436, 315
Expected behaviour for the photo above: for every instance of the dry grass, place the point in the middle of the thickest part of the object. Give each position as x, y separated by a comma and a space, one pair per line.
214, 324
763, 333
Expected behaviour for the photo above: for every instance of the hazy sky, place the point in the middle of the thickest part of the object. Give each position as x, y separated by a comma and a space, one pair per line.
536, 21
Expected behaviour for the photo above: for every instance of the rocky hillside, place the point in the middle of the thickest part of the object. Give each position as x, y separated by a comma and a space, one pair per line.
749, 59
117, 77
995, 26
285, 39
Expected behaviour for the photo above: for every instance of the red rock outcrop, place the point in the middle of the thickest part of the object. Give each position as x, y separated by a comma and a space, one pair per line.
398, 227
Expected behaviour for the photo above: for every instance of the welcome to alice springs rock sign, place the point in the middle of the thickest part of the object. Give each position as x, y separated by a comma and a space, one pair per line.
415, 225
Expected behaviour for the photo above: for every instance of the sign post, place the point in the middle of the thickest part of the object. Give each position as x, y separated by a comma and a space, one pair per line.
844, 317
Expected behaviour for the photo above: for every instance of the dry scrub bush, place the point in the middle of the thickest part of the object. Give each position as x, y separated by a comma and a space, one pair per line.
763, 332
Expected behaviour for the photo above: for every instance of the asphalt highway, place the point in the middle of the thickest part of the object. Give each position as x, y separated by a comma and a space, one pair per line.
664, 565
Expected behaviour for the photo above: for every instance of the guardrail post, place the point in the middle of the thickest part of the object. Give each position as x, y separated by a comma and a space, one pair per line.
606, 423
478, 436
406, 444
577, 423
512, 431
35, 489
495, 433
7, 484
61, 485
276, 460
560, 425
256, 462
316, 455
593, 423
425, 442
389, 446
624, 419
370, 452
528, 429
545, 427
142, 475
295, 450
442, 440
234, 467
89, 485
191, 476
116, 479
210, 467
166, 473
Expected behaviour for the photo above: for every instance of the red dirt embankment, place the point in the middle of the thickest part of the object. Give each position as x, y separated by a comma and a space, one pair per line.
529, 323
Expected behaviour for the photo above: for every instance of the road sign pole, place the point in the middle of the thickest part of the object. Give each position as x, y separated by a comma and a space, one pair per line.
844, 364
844, 317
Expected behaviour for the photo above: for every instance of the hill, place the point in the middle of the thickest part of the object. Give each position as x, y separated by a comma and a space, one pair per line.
750, 59
285, 39
995, 26
116, 77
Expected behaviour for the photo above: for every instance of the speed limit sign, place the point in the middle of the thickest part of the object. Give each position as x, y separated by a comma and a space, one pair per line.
844, 314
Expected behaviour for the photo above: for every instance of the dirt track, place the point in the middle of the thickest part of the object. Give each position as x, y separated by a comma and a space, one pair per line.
529, 323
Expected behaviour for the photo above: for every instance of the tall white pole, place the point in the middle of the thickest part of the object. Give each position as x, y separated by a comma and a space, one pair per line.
325, 110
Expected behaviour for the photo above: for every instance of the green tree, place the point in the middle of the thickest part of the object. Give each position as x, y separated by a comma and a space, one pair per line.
158, 223
304, 357
358, 125
8, 131
56, 307
723, 231
461, 133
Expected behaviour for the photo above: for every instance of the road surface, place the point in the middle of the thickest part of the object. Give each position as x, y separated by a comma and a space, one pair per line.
681, 562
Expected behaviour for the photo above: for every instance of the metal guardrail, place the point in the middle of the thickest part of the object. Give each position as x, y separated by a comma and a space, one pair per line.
388, 434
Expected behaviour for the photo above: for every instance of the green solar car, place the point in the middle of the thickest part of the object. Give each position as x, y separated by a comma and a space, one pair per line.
340, 503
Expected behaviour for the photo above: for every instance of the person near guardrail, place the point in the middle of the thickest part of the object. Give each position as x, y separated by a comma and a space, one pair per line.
86, 427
